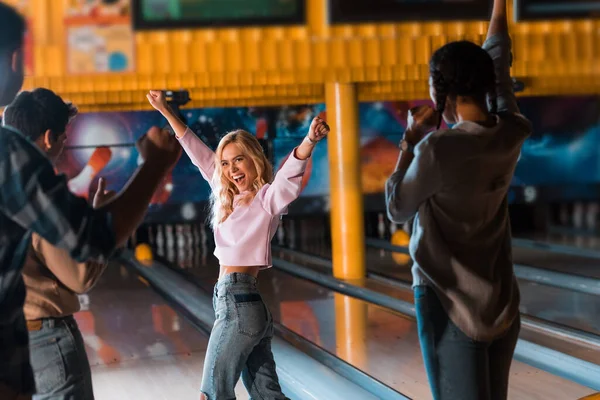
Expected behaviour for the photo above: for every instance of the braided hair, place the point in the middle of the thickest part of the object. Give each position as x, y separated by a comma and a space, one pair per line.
462, 69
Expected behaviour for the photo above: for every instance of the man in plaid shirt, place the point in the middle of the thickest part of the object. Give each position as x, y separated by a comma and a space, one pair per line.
34, 198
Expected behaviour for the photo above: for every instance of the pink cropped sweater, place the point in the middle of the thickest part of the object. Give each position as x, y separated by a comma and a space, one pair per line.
244, 238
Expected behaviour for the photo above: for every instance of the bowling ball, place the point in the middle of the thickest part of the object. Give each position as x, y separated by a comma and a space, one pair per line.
143, 252
401, 239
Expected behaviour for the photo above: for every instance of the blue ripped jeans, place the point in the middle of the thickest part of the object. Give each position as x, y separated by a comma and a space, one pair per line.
59, 361
240, 343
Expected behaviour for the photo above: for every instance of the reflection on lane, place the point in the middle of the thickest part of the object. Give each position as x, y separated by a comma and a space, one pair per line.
138, 346
574, 309
381, 342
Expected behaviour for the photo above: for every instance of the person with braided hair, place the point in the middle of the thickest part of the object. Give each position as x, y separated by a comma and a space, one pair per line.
455, 183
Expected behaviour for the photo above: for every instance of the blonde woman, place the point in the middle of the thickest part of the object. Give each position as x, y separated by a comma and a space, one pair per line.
246, 204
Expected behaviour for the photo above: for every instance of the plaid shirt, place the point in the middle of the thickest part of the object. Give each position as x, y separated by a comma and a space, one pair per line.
34, 198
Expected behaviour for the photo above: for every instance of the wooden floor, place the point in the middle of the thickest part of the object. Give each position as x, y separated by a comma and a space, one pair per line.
389, 349
392, 352
138, 347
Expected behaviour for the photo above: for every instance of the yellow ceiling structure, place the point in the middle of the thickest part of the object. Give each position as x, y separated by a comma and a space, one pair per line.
285, 65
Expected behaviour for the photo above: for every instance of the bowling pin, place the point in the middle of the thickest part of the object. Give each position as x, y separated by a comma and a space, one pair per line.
591, 216
170, 236
380, 226
189, 237
196, 235
180, 236
171, 254
160, 240
80, 185
181, 253
381, 232
393, 228
204, 243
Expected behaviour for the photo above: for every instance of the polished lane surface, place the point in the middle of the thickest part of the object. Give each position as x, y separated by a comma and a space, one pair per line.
138, 346
382, 343
563, 306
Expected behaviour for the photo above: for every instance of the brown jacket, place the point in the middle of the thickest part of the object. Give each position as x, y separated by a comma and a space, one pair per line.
53, 280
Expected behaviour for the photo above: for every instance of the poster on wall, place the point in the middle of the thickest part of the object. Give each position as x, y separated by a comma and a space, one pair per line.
102, 145
99, 36
556, 9
24, 7
161, 14
344, 11
560, 161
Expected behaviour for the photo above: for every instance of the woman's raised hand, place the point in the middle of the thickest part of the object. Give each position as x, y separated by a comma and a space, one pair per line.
318, 129
157, 99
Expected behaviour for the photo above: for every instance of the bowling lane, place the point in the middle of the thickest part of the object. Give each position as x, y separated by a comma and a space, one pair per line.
570, 308
571, 254
564, 262
382, 343
588, 241
138, 346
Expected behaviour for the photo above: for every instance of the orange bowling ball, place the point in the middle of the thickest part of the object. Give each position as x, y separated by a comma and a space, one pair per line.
401, 239
143, 252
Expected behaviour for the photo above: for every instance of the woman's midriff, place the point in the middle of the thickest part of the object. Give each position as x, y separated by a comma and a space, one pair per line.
226, 270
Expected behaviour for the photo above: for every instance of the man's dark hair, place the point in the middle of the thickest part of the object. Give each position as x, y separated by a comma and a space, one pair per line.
32, 113
12, 29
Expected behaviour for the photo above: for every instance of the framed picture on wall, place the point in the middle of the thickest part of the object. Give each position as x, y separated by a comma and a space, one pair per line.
180, 14
355, 11
556, 9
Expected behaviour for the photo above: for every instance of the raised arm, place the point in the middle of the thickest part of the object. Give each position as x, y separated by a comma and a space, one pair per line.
288, 180
79, 277
498, 45
37, 199
499, 20
199, 153
406, 190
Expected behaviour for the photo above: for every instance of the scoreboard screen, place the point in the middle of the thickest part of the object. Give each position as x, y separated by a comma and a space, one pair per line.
348, 11
556, 9
164, 14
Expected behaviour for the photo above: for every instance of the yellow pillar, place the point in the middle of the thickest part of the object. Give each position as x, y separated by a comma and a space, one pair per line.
347, 220
351, 330
316, 15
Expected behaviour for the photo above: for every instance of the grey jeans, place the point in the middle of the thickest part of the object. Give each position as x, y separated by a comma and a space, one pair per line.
240, 343
59, 361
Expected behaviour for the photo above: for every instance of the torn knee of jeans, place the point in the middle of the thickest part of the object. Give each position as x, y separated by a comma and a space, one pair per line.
204, 396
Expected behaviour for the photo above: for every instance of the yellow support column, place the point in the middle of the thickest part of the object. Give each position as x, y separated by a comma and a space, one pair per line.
347, 220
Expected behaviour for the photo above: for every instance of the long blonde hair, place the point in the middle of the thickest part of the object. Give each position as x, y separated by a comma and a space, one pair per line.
221, 198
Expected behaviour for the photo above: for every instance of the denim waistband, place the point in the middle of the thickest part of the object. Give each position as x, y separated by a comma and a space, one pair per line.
236, 277
52, 322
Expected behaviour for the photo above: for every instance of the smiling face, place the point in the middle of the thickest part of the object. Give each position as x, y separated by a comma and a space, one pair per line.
238, 167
